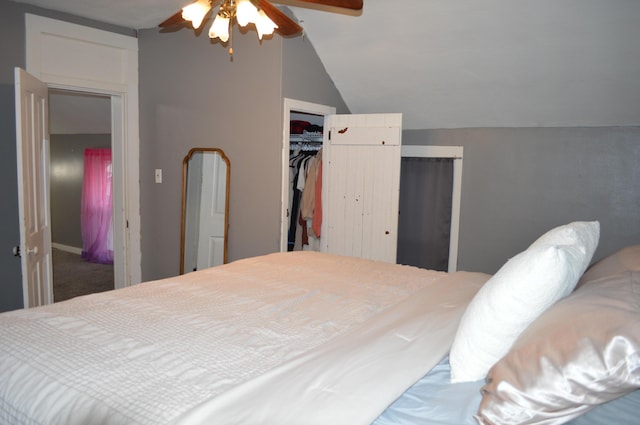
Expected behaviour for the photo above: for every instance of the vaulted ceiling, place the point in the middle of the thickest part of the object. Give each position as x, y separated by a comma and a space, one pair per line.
459, 63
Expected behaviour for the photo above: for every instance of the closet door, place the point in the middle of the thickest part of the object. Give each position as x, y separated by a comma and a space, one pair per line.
361, 180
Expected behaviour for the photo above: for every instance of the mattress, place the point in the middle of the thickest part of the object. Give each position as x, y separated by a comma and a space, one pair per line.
298, 337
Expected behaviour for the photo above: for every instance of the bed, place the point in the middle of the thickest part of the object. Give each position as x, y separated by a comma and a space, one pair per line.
297, 338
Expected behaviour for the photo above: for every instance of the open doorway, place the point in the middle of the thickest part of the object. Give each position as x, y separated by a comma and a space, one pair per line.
86, 60
80, 127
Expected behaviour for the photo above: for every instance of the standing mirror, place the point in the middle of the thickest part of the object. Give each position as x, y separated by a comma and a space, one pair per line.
205, 209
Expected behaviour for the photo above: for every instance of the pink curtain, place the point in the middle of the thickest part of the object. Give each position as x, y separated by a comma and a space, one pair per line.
96, 211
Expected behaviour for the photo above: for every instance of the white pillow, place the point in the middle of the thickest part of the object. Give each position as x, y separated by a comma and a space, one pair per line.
523, 288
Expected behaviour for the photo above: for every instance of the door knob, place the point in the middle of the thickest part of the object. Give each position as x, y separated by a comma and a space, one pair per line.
32, 251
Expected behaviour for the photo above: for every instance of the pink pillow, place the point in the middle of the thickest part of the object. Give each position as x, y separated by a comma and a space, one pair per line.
583, 351
626, 259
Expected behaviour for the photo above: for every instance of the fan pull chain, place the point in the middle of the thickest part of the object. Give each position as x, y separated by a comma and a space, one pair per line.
230, 43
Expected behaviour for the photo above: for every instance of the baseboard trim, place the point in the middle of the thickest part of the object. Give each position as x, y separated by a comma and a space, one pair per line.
67, 248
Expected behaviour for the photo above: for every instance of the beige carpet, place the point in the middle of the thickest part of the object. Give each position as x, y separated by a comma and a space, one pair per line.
73, 276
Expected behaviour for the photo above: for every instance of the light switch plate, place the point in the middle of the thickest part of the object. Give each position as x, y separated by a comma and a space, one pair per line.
158, 175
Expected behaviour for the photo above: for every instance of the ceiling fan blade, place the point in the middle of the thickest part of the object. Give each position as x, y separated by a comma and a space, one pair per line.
174, 20
286, 26
345, 4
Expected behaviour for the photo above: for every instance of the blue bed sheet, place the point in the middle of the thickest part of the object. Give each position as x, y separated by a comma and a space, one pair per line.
434, 400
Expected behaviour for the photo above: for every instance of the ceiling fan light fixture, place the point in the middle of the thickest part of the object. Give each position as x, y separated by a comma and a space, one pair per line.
264, 25
196, 12
265, 17
246, 13
220, 28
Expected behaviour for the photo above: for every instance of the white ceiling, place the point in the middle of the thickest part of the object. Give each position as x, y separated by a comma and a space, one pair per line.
136, 14
459, 63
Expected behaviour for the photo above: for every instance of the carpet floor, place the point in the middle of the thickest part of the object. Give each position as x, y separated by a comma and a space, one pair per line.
73, 276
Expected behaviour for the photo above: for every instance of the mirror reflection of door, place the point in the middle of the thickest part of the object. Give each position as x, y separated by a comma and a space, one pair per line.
205, 209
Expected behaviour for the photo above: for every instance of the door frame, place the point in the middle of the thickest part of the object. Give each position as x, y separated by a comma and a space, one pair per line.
76, 58
456, 153
296, 106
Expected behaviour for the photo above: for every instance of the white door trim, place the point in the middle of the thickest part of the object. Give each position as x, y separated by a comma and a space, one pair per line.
298, 106
455, 152
74, 57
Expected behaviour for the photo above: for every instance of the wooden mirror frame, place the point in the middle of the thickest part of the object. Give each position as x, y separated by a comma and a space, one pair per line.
185, 163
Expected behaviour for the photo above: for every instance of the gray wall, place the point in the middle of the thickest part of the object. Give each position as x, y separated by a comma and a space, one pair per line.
304, 77
12, 52
11, 28
192, 95
519, 182
67, 170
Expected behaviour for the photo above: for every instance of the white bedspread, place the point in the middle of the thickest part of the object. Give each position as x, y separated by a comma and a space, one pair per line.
288, 338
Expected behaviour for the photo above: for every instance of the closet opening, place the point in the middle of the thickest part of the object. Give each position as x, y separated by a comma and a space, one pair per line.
305, 156
303, 132
424, 222
429, 207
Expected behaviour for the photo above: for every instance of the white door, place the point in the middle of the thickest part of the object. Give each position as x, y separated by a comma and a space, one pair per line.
32, 146
361, 181
212, 211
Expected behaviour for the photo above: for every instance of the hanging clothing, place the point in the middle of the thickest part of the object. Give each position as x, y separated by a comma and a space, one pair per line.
298, 164
305, 193
309, 194
317, 209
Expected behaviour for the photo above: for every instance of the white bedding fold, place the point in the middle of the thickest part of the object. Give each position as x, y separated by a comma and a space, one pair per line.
352, 378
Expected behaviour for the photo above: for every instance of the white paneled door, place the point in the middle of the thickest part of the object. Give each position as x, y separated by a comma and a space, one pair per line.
32, 145
361, 181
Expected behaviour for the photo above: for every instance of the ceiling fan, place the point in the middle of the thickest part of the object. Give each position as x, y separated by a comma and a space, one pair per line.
262, 13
